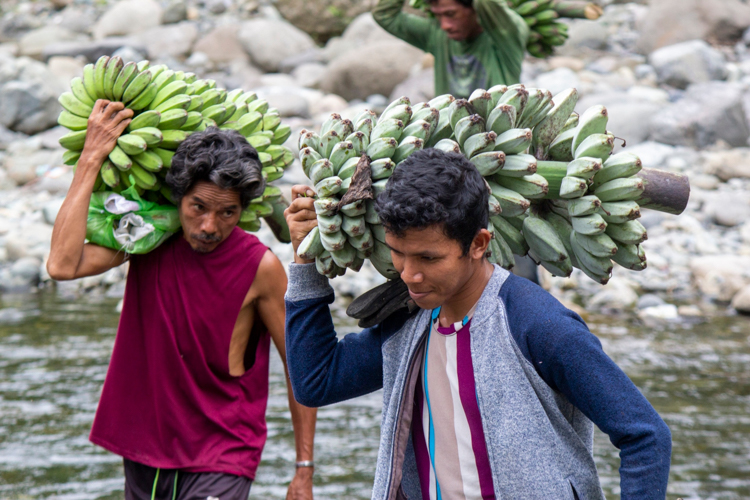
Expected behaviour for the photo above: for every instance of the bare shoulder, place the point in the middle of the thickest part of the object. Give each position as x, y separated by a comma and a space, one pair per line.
270, 278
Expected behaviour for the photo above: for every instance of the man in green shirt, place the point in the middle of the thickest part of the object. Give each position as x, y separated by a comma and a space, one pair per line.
476, 44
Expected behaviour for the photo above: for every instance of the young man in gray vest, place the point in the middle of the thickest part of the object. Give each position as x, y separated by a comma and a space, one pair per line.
493, 389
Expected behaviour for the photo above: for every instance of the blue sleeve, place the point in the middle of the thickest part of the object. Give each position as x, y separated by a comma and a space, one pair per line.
571, 361
324, 370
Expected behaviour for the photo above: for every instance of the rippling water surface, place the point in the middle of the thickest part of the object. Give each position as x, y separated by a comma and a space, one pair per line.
54, 355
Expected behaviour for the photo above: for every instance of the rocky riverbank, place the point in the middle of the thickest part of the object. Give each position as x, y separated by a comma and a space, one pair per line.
682, 103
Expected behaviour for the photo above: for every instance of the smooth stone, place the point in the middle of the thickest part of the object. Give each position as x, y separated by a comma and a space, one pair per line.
662, 312
649, 300
685, 63
741, 300
128, 17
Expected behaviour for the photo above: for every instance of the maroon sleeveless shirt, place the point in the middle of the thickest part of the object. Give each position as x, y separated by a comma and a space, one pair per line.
168, 399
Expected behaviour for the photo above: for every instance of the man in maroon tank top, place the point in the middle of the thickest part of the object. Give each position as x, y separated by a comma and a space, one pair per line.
185, 395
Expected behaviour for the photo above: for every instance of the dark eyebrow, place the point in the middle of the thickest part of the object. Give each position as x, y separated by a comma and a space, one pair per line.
230, 207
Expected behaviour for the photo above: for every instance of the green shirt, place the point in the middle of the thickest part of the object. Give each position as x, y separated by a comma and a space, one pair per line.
493, 58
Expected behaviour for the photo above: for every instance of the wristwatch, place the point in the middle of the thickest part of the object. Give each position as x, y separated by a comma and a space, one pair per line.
304, 463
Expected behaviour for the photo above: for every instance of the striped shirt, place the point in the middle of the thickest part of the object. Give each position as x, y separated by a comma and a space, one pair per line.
449, 443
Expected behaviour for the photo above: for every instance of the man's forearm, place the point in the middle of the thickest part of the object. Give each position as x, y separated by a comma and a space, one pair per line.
412, 29
303, 421
69, 232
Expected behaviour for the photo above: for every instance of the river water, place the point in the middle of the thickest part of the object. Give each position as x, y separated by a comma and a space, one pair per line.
54, 354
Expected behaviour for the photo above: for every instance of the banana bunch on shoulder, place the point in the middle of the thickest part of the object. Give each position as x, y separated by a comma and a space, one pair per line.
557, 193
169, 106
348, 234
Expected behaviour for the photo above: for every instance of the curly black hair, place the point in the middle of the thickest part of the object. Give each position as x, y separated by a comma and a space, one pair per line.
222, 157
433, 187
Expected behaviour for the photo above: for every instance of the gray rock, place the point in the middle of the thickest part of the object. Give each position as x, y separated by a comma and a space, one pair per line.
708, 112
585, 35
128, 17
290, 101
65, 68
662, 312
175, 12
686, 63
77, 18
269, 42
128, 54
673, 21
704, 181
653, 154
363, 31
49, 138
728, 208
8, 136
374, 69
558, 80
27, 269
730, 164
324, 19
649, 300
94, 49
330, 103
51, 209
741, 301
311, 56
29, 104
32, 44
24, 168
419, 87
720, 277
174, 40
222, 44
216, 6
616, 295
309, 74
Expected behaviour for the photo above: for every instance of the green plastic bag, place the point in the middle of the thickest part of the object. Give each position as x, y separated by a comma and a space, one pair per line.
129, 223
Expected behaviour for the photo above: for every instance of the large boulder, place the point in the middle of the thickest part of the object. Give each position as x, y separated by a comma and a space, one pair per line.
127, 18
707, 113
323, 19
222, 44
720, 277
674, 21
419, 87
174, 40
373, 69
270, 41
32, 44
690, 62
28, 99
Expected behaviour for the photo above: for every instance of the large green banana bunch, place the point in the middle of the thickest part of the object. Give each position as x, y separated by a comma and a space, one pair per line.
542, 16
170, 105
557, 192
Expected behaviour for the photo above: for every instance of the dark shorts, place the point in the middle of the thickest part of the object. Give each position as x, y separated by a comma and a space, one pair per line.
140, 480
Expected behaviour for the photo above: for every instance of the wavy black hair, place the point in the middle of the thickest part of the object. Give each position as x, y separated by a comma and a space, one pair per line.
433, 187
222, 157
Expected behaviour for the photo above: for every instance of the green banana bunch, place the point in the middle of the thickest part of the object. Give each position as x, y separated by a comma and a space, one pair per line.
168, 106
556, 191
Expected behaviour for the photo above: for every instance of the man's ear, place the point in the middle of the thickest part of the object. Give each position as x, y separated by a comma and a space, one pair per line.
480, 244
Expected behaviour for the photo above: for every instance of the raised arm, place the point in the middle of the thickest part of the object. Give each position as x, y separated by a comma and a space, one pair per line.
571, 360
508, 31
272, 281
323, 369
69, 257
412, 29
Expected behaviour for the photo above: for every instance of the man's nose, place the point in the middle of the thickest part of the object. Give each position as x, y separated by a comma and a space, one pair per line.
208, 224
